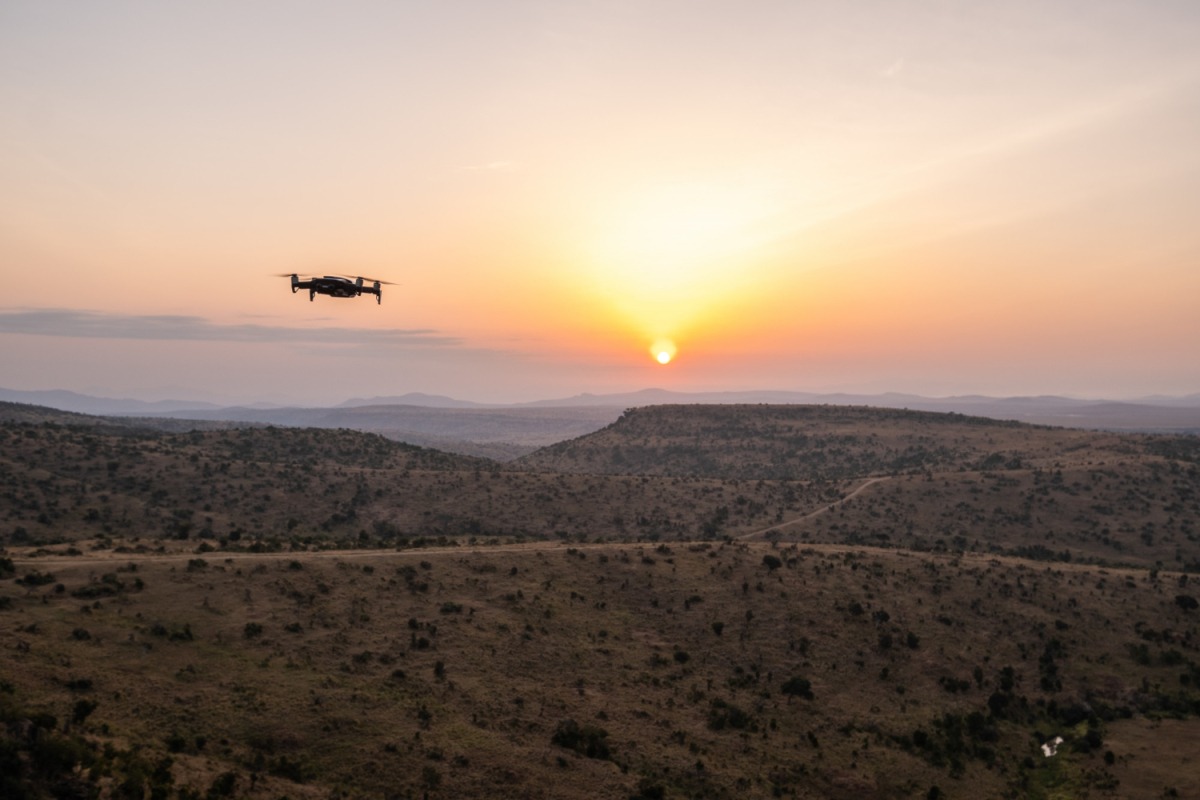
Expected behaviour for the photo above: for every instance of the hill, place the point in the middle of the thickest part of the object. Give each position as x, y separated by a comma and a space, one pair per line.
274, 488
35, 414
791, 473
507, 431
753, 442
497, 433
726, 601
601, 671
952, 482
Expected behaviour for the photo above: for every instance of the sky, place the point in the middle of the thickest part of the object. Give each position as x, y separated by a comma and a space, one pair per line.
940, 197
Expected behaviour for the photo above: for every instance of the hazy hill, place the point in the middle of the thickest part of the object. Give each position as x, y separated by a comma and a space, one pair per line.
411, 399
88, 404
813, 442
498, 433
1155, 414
35, 414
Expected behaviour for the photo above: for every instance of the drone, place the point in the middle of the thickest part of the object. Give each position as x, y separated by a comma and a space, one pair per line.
337, 286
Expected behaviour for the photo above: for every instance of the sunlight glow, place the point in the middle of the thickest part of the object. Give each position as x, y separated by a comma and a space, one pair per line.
670, 236
671, 258
663, 350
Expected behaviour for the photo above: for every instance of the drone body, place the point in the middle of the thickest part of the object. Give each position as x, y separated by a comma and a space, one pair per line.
337, 286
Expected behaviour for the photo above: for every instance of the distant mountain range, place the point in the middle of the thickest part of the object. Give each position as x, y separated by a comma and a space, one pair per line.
87, 404
505, 431
1156, 413
885, 400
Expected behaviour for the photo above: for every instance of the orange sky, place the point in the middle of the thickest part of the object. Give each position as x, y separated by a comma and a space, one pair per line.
921, 197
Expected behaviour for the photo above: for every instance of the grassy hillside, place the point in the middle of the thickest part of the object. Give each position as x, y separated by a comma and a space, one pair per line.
952, 482
909, 607
827, 442
611, 671
274, 488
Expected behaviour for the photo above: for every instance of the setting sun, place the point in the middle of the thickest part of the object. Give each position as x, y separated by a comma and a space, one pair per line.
663, 351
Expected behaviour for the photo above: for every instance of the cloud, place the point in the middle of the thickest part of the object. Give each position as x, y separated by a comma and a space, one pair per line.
966, 158
64, 322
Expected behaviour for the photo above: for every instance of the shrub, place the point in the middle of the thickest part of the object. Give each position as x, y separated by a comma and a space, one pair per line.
293, 770
798, 687
649, 790
588, 740
36, 578
723, 715
82, 710
223, 785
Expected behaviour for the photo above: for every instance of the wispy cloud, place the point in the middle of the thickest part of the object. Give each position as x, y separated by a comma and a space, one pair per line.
64, 322
965, 157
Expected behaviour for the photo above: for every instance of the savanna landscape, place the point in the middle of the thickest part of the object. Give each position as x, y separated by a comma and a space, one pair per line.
693, 602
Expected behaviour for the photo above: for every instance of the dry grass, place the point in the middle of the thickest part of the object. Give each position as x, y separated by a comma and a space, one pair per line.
607, 635
342, 684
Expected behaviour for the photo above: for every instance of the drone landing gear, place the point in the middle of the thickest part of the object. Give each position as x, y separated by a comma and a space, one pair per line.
311, 295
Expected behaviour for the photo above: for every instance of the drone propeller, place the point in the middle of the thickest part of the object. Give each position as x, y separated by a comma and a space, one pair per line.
365, 279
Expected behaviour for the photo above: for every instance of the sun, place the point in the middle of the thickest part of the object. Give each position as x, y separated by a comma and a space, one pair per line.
663, 351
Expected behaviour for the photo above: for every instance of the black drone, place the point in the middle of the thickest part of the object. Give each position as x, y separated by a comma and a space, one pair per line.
337, 286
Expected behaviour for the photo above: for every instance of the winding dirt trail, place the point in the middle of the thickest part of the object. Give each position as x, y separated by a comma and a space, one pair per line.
822, 510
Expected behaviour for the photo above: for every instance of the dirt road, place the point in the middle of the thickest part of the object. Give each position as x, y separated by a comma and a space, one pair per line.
822, 510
